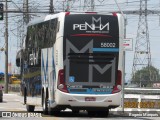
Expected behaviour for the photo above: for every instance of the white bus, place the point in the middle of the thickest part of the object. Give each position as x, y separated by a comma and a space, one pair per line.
73, 60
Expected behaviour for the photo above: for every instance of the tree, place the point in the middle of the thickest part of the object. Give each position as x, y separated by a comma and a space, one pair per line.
146, 76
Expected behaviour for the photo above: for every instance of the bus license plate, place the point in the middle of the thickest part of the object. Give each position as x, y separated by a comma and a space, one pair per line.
90, 99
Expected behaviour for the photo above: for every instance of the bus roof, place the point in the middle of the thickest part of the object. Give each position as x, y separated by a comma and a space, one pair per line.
52, 16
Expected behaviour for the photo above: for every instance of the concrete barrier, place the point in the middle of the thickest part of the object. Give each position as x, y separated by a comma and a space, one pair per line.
142, 98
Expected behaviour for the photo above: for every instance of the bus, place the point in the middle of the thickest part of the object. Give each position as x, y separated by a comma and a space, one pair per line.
73, 60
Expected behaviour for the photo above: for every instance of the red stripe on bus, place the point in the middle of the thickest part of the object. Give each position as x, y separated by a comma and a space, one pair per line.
91, 35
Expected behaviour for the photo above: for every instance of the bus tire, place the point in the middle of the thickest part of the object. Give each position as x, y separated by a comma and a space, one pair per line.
45, 104
75, 111
91, 113
1, 99
103, 113
30, 108
53, 111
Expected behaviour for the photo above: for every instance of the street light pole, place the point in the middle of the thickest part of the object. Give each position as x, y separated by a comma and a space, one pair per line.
51, 7
6, 48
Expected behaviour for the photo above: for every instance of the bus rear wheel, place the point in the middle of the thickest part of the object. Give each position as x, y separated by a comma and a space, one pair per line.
53, 111
75, 111
101, 113
30, 108
45, 105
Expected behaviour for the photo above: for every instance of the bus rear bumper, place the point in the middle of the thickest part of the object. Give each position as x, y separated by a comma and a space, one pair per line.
88, 100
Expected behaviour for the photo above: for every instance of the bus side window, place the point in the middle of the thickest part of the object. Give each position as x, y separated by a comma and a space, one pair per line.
31, 59
58, 26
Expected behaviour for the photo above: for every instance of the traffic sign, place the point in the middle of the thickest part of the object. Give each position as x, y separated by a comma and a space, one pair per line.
128, 44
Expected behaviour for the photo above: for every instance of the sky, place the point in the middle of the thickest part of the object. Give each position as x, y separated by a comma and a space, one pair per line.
16, 26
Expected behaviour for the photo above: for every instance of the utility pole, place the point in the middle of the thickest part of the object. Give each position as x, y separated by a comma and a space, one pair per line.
89, 5
142, 54
92, 5
68, 6
124, 61
63, 5
51, 7
26, 9
6, 48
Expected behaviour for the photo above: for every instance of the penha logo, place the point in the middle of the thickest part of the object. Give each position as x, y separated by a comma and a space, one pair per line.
96, 25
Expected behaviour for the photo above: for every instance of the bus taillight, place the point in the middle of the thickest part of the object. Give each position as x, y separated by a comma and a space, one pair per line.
114, 14
91, 12
118, 87
61, 82
67, 13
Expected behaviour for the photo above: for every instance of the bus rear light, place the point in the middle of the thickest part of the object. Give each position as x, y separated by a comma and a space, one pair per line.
67, 13
119, 78
115, 90
60, 86
91, 12
114, 14
61, 82
118, 87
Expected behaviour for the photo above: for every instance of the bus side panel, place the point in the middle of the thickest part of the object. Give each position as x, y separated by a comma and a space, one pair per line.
121, 38
48, 72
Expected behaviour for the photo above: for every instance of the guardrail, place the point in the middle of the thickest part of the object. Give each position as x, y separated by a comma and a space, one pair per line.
142, 89
142, 98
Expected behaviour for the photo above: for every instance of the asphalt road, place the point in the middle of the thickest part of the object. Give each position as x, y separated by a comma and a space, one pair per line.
12, 106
